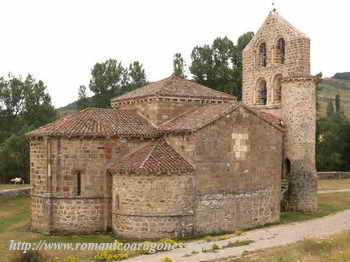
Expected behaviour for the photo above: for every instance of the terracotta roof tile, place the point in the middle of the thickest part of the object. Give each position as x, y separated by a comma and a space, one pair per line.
268, 115
153, 157
198, 118
175, 86
99, 122
193, 120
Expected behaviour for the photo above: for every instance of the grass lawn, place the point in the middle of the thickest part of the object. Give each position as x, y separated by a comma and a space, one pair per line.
14, 225
12, 186
333, 184
15, 220
332, 249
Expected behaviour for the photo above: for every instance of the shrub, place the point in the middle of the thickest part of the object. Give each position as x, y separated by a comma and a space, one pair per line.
67, 259
238, 243
167, 259
215, 247
238, 232
225, 237
209, 238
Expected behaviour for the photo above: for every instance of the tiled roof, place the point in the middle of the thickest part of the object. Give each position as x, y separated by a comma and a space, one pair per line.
268, 115
176, 87
153, 157
193, 120
198, 118
99, 122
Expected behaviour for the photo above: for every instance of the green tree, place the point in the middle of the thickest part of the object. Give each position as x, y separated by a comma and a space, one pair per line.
110, 79
318, 90
219, 66
25, 105
179, 65
106, 79
83, 101
330, 108
333, 142
337, 104
136, 75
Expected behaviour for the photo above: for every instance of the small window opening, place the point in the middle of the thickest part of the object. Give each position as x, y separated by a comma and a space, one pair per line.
281, 51
78, 184
262, 55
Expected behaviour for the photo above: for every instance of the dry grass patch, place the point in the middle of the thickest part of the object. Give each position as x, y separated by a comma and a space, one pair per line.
13, 186
333, 249
333, 184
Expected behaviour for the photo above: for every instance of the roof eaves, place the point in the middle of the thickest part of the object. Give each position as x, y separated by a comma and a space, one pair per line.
281, 129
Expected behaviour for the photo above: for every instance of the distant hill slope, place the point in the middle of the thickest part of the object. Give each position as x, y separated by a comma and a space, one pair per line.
342, 76
330, 87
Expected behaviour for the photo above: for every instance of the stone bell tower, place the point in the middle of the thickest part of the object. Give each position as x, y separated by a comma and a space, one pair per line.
277, 79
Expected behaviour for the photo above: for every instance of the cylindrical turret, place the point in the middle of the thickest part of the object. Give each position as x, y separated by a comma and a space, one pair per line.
299, 116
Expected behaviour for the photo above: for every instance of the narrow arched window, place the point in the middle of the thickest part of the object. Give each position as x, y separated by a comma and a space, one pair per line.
262, 55
109, 183
287, 168
261, 93
277, 90
281, 51
78, 189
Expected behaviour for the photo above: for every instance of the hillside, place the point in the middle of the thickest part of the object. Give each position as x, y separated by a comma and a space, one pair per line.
329, 88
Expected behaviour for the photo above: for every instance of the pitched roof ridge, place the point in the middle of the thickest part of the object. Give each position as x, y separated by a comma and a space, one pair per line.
233, 108
258, 114
282, 19
179, 116
150, 153
146, 119
180, 87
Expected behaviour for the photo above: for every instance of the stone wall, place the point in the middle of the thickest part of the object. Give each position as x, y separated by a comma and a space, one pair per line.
238, 172
80, 215
55, 165
38, 165
159, 110
226, 212
333, 175
153, 206
299, 115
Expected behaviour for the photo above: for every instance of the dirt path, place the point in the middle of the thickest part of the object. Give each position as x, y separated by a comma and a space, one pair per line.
263, 238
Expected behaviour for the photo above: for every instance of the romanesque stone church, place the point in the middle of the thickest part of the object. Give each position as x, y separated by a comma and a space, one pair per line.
176, 159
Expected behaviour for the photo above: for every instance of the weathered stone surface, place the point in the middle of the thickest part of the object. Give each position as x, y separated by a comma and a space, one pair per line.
289, 92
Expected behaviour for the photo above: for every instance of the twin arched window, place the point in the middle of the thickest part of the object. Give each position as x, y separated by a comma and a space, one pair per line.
261, 91
279, 53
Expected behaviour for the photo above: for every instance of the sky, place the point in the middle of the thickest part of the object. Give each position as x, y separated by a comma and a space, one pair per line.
59, 41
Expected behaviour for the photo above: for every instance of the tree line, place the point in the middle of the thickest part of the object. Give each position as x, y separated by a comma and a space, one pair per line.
333, 139
218, 66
